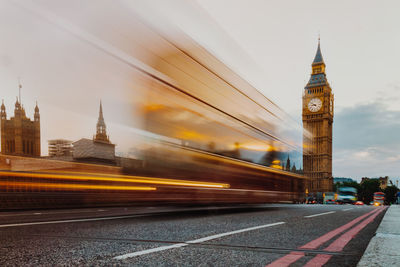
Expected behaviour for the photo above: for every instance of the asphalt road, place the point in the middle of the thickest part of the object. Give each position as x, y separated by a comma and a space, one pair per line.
275, 234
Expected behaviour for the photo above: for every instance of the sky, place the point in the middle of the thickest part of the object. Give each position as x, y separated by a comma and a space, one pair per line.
271, 44
359, 43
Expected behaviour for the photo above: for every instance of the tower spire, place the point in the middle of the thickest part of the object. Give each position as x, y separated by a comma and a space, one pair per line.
19, 90
101, 133
318, 56
318, 76
101, 112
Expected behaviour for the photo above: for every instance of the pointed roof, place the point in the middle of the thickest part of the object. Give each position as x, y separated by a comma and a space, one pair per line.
36, 107
101, 118
318, 56
17, 104
317, 78
101, 133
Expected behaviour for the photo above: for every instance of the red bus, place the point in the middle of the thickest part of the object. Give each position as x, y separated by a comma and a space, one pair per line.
379, 198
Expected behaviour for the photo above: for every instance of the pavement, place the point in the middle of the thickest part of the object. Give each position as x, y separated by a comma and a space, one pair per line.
330, 235
384, 247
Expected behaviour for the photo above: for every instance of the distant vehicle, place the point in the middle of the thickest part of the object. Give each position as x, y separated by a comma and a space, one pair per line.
311, 200
379, 198
360, 203
329, 198
319, 197
346, 195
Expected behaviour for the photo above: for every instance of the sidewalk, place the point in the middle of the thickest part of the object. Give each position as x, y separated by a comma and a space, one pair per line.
384, 247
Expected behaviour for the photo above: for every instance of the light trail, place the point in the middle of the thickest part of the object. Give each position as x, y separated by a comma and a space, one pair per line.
117, 178
138, 65
76, 186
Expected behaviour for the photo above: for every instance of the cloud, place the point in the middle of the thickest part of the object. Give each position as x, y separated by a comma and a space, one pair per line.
366, 140
366, 125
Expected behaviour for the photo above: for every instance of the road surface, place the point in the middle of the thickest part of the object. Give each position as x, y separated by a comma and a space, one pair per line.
274, 235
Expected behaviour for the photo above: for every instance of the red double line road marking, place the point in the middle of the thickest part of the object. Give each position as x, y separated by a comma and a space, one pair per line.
295, 256
341, 242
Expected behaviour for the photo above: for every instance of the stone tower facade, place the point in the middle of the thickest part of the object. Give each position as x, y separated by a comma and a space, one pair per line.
317, 125
20, 136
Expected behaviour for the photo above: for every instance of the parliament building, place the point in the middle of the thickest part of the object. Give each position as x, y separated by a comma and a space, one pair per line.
20, 136
317, 125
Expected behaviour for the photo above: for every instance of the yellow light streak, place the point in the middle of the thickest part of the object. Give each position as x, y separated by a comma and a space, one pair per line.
191, 135
279, 167
119, 178
256, 147
153, 107
77, 186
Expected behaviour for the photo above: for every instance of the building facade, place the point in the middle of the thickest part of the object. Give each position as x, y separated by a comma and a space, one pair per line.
60, 148
317, 124
20, 136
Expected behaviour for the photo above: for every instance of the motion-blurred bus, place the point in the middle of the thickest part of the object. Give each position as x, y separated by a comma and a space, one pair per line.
184, 127
329, 198
346, 195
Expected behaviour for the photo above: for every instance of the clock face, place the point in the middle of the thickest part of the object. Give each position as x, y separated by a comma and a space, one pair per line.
315, 104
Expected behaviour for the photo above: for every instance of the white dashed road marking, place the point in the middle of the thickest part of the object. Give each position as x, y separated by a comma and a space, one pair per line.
319, 214
200, 240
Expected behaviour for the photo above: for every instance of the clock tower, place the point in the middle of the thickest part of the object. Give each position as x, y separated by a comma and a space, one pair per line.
317, 125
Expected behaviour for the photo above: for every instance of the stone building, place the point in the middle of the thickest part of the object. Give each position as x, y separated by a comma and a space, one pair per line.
20, 136
317, 125
98, 150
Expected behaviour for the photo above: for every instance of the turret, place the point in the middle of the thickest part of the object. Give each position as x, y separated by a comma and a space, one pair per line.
37, 115
3, 114
288, 163
36, 121
18, 109
294, 168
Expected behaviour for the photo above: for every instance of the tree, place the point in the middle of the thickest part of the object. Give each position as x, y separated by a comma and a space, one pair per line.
390, 194
367, 190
